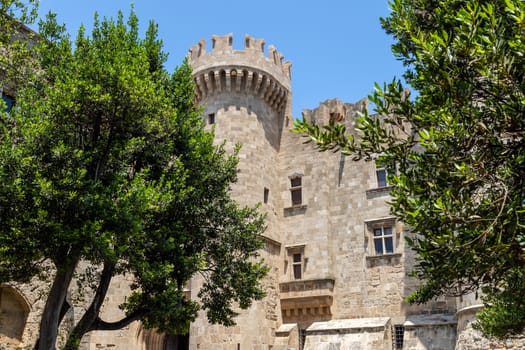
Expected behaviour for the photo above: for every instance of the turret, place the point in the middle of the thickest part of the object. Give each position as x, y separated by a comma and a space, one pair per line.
246, 95
224, 70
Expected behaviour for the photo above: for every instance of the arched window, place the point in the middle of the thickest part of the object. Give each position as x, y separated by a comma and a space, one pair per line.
13, 315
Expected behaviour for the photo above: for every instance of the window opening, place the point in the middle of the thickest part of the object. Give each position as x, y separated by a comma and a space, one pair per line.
399, 334
297, 266
382, 176
266, 195
296, 190
302, 338
9, 101
176, 342
211, 118
337, 117
383, 240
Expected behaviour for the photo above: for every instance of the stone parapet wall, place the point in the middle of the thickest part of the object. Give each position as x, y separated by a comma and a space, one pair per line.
367, 333
222, 54
249, 71
469, 338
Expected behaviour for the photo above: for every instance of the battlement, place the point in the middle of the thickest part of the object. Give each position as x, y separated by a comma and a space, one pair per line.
224, 69
335, 110
252, 55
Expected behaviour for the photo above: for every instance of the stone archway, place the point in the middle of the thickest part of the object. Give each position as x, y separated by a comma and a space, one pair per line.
149, 339
13, 315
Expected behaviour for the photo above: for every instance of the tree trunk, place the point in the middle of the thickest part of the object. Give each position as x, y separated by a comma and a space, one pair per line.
91, 321
86, 322
63, 312
51, 315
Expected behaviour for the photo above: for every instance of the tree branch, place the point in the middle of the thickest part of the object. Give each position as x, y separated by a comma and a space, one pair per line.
100, 325
91, 315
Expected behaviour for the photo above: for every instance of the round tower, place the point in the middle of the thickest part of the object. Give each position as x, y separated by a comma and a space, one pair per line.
247, 100
246, 96
224, 75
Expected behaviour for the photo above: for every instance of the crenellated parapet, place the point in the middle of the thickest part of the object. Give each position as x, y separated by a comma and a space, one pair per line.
224, 69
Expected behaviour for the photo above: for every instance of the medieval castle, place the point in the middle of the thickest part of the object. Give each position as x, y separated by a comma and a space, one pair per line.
339, 264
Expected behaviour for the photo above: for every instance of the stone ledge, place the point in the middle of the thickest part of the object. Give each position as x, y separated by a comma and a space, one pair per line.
378, 191
430, 320
270, 240
474, 307
285, 329
318, 284
392, 255
295, 210
297, 246
349, 324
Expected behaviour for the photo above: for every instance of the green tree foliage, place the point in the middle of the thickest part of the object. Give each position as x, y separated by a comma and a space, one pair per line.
455, 152
105, 161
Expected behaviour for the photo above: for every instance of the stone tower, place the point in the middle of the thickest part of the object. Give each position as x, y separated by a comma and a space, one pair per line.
247, 100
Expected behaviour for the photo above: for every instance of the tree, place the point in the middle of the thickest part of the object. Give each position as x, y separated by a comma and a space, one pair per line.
456, 151
105, 160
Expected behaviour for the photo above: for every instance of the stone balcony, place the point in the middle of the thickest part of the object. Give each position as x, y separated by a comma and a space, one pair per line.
313, 296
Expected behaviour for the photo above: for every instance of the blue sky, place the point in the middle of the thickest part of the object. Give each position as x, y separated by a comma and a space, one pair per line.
337, 47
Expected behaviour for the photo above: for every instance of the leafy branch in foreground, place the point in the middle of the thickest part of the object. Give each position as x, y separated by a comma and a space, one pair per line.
456, 151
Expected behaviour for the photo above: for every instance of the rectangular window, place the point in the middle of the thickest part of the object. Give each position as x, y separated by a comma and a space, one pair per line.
399, 334
381, 175
383, 240
295, 263
266, 195
297, 266
296, 190
211, 118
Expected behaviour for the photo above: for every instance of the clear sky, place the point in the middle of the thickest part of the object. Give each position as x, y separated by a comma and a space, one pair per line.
337, 47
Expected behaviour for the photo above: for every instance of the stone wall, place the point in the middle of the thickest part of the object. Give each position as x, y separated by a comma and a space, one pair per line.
21, 306
342, 203
471, 339
367, 333
129, 337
